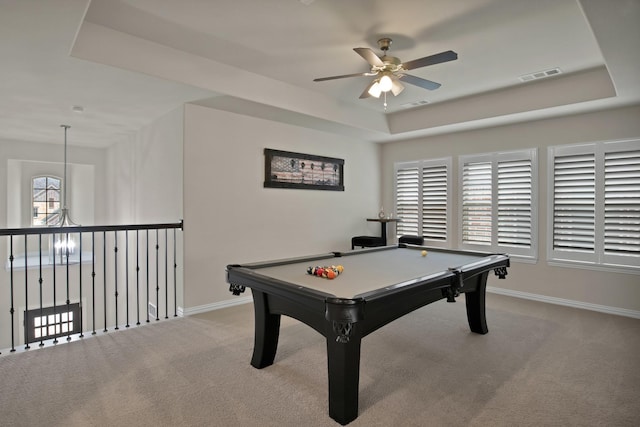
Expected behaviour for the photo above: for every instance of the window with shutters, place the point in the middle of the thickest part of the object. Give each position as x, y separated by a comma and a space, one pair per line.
498, 195
423, 200
594, 204
476, 202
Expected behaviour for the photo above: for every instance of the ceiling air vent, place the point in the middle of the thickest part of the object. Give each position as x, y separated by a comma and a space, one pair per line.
414, 104
540, 75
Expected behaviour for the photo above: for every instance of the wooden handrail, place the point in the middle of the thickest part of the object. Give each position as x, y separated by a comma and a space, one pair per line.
88, 228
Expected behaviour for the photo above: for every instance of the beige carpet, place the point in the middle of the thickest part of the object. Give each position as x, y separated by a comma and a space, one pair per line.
539, 365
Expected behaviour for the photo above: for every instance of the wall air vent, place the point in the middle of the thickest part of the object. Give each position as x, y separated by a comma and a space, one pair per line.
540, 75
152, 310
414, 104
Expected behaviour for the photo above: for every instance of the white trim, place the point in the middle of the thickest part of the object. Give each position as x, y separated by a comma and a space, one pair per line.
612, 268
213, 306
597, 258
495, 159
566, 302
420, 165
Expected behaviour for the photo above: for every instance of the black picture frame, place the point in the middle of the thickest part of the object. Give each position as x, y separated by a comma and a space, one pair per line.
285, 169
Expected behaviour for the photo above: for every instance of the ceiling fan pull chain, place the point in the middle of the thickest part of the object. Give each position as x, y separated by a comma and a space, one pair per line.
385, 101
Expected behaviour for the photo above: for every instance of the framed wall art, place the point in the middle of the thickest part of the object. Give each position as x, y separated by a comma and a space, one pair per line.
284, 169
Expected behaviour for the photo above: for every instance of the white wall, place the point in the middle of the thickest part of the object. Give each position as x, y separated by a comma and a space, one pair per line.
231, 218
120, 181
615, 290
145, 173
158, 170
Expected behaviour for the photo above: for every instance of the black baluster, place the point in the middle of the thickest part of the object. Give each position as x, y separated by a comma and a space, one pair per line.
137, 277
93, 281
12, 310
115, 282
80, 284
26, 291
166, 274
68, 301
175, 282
104, 265
126, 271
147, 304
53, 242
40, 283
157, 278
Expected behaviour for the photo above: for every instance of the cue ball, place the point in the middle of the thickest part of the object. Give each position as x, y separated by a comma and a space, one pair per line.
423, 253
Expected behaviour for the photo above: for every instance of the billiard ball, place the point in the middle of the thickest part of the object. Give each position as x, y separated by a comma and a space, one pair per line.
326, 272
423, 253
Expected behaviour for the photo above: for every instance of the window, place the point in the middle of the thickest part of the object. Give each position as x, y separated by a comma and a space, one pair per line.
498, 194
45, 198
594, 204
423, 200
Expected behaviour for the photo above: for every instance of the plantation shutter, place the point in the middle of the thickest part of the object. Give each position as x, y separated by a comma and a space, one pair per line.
407, 200
514, 203
476, 203
574, 202
434, 202
622, 203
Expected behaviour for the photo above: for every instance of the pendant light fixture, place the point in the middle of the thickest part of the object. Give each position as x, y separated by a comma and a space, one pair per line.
65, 245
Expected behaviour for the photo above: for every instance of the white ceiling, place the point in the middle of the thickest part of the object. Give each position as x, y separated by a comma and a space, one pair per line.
128, 62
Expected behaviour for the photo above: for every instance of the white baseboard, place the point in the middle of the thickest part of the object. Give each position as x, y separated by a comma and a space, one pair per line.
566, 302
508, 292
213, 306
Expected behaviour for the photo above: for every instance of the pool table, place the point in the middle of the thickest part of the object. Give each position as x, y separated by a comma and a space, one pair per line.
377, 286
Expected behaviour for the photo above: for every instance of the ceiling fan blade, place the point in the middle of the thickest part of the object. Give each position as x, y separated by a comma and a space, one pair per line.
423, 83
396, 87
322, 79
369, 56
431, 60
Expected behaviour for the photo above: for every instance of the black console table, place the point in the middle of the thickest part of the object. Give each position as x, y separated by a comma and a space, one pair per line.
373, 241
383, 227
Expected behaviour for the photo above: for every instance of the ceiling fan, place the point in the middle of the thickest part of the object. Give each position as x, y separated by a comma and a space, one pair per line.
389, 70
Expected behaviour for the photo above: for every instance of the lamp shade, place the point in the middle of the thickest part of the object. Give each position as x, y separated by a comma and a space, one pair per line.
375, 90
385, 83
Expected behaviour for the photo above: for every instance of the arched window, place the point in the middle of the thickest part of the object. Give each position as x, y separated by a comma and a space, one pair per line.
45, 197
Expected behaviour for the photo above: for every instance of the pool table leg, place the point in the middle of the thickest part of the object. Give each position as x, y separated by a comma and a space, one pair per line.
343, 359
267, 331
476, 305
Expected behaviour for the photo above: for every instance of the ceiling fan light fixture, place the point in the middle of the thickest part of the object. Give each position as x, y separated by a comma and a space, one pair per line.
389, 70
385, 83
375, 90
